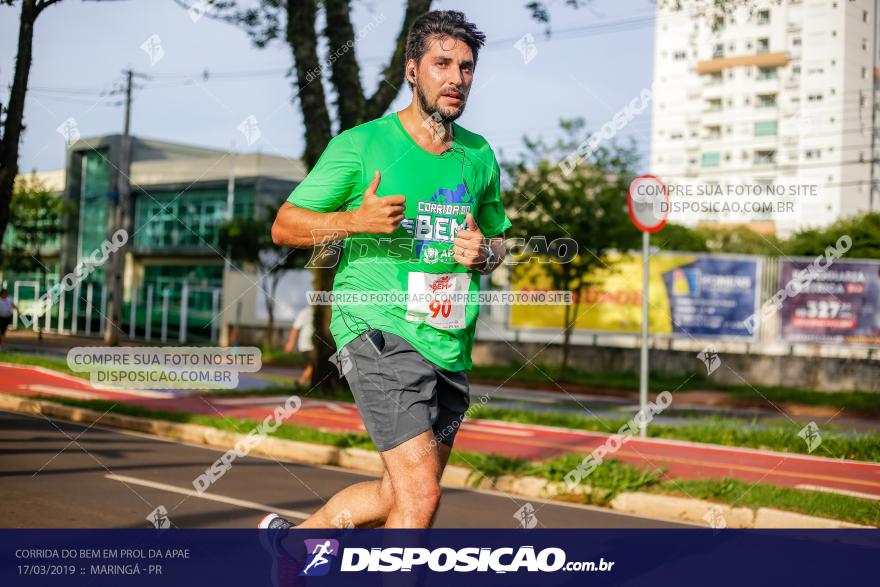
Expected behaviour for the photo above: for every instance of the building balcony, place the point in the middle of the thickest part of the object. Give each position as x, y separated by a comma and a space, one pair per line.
774, 59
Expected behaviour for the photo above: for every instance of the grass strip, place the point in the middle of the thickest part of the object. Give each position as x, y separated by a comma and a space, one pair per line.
612, 478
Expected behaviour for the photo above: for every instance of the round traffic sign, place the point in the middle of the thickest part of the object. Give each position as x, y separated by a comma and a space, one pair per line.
647, 201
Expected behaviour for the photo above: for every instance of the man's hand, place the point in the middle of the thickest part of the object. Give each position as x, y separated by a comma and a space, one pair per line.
378, 214
471, 249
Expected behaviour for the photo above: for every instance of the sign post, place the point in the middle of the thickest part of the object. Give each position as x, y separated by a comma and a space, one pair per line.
647, 202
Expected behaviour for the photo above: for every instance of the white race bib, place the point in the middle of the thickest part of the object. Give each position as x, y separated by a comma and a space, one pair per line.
439, 299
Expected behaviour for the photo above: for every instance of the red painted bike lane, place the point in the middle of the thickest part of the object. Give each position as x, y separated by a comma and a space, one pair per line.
680, 459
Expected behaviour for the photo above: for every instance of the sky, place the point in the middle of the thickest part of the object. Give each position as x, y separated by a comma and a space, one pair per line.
595, 61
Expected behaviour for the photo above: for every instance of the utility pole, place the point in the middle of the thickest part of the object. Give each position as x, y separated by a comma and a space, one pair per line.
121, 220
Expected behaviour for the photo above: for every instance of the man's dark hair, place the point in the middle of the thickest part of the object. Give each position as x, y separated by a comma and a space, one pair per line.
442, 23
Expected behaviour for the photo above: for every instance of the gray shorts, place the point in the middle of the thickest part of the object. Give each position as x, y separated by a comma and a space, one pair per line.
398, 392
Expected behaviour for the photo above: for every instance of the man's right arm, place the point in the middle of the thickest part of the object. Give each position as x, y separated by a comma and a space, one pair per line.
299, 227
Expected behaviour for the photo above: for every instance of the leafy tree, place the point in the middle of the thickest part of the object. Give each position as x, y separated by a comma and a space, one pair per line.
294, 22
715, 9
587, 205
675, 237
12, 114
35, 227
864, 231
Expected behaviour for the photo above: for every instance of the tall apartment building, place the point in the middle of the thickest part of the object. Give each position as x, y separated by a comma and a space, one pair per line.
775, 94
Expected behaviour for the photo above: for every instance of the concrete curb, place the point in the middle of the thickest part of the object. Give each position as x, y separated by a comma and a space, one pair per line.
644, 504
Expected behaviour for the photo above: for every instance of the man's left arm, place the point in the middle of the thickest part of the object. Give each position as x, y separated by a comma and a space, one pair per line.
473, 249
495, 252
477, 252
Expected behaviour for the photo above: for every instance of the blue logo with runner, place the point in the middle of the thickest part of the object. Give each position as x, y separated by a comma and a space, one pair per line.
321, 553
457, 195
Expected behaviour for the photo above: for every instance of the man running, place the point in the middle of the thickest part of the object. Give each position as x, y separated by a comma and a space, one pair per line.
7, 305
417, 198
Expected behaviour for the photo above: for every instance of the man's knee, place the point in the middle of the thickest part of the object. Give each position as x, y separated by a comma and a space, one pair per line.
421, 495
386, 492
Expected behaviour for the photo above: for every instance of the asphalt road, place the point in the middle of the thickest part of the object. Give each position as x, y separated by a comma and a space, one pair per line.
56, 474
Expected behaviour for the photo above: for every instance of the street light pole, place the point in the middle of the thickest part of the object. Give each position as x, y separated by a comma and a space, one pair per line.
121, 220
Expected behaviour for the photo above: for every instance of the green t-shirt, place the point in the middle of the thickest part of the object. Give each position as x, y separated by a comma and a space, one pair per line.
418, 257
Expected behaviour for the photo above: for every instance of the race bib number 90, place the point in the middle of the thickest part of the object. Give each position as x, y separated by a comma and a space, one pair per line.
439, 299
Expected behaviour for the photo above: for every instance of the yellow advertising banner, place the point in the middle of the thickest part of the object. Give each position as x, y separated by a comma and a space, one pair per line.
611, 300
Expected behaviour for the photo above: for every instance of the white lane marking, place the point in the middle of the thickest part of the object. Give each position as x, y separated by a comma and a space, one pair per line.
839, 491
335, 407
497, 430
248, 401
251, 505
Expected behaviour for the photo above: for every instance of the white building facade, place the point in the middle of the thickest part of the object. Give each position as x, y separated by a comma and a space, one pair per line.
767, 116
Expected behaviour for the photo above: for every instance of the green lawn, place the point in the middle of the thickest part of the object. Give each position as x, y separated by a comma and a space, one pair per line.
611, 478
40, 361
853, 401
813, 503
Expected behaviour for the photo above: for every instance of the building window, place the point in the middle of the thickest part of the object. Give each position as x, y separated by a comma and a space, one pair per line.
713, 105
164, 221
711, 159
718, 50
765, 157
763, 45
713, 132
763, 17
796, 42
765, 128
812, 154
814, 98
679, 55
767, 73
715, 79
766, 101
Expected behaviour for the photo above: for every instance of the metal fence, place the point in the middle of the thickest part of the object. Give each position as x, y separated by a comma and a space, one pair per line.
190, 314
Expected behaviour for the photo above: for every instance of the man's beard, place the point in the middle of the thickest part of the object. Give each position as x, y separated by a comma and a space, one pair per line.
431, 108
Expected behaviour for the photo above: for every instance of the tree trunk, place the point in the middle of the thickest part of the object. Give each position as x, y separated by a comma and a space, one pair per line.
13, 126
303, 40
570, 318
352, 107
566, 342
